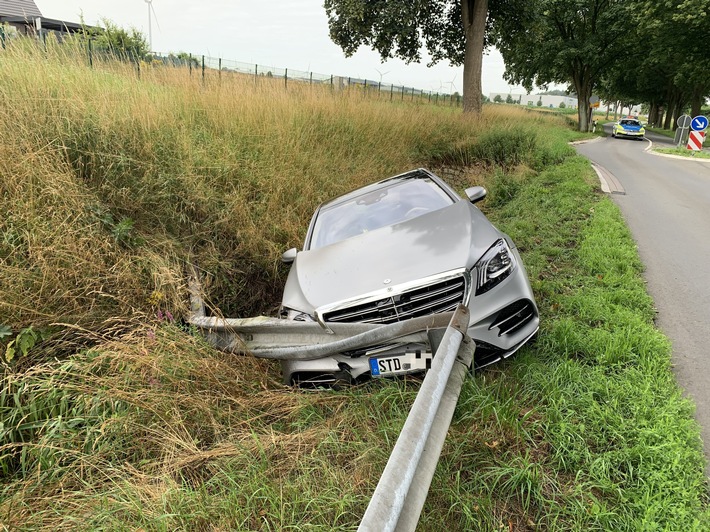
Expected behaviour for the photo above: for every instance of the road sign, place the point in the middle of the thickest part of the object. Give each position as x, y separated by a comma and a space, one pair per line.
699, 123
695, 140
594, 101
684, 121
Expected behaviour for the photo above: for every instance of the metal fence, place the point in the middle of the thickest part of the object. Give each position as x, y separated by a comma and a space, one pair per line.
204, 66
201, 65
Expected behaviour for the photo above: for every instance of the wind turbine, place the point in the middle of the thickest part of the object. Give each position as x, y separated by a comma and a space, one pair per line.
151, 13
452, 87
382, 74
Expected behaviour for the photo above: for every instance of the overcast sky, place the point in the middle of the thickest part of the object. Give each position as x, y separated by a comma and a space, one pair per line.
279, 33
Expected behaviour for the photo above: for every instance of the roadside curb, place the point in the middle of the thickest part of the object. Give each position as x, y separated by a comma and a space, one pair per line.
585, 141
680, 157
610, 184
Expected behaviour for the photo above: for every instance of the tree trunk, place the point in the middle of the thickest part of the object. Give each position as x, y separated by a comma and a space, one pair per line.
659, 119
584, 92
669, 113
474, 14
696, 102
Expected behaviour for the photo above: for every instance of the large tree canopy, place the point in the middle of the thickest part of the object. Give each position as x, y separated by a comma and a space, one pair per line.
452, 30
564, 41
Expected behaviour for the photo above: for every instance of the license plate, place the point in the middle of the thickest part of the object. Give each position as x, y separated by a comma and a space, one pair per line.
399, 364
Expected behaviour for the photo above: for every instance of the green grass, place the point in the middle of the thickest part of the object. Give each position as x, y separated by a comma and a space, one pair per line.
120, 417
684, 152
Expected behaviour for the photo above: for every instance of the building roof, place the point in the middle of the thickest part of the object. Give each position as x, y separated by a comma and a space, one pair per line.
19, 8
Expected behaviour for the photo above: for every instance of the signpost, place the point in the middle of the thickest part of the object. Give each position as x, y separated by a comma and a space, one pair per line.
699, 123
696, 138
593, 104
683, 124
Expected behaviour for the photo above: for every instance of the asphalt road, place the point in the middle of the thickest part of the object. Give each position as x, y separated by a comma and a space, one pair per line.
667, 208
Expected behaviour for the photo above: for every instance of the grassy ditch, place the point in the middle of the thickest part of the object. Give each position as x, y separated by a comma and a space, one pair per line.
115, 415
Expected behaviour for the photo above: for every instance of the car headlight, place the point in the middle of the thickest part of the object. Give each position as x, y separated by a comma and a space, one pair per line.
497, 264
295, 315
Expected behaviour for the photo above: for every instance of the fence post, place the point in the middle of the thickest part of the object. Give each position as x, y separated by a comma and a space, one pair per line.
286, 78
412, 99
331, 83
402, 94
203, 69
391, 91
189, 62
311, 80
91, 55
256, 73
220, 68
2, 35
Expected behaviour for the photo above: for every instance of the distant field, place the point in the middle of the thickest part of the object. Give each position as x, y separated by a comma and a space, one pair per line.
115, 415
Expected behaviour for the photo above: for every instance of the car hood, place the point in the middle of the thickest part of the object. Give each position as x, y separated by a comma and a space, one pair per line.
631, 128
443, 240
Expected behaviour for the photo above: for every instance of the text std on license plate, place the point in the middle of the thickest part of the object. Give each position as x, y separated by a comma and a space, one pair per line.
399, 364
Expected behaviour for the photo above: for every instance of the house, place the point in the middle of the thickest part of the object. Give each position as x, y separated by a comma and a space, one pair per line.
532, 99
25, 18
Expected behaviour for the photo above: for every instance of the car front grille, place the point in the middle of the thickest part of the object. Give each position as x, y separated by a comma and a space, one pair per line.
442, 296
513, 317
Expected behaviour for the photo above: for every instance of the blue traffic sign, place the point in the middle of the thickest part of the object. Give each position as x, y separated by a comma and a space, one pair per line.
699, 123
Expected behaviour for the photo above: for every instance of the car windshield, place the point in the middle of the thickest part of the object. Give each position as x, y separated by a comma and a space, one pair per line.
630, 123
402, 200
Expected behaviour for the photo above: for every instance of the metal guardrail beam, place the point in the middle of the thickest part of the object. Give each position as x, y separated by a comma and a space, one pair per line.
400, 494
297, 340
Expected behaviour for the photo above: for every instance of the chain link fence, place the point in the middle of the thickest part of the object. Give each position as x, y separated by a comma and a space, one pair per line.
201, 65
204, 66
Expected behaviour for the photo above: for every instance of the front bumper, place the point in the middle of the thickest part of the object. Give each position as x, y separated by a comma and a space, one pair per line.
631, 134
501, 321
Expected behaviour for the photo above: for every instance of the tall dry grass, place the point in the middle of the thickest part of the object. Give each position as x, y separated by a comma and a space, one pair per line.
112, 179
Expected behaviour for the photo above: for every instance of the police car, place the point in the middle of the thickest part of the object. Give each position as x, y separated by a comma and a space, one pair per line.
628, 127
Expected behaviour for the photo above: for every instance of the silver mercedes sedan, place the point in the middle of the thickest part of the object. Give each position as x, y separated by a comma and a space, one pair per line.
405, 247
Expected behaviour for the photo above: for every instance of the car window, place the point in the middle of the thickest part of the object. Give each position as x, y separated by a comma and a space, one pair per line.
390, 205
630, 123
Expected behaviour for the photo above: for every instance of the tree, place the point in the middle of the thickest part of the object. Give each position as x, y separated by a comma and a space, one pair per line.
670, 72
115, 40
539, 102
449, 29
563, 41
498, 98
509, 99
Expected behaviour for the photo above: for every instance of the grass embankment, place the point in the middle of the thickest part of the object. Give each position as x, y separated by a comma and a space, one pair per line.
119, 418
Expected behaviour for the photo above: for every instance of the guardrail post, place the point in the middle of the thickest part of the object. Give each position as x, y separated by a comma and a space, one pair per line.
397, 502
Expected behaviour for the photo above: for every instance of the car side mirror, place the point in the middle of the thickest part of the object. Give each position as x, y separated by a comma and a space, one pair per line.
289, 256
476, 194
